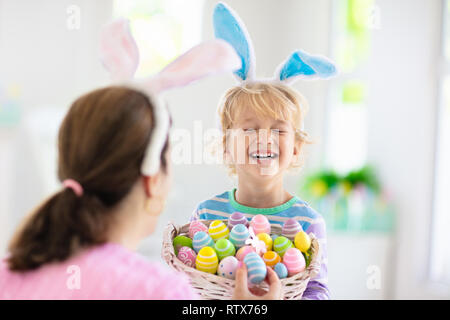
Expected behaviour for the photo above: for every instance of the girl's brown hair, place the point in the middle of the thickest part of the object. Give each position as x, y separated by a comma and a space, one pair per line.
101, 144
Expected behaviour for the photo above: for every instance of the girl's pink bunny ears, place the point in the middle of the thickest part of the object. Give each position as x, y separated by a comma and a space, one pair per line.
120, 56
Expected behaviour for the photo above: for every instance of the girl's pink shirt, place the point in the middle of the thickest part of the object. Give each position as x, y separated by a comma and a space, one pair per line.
107, 271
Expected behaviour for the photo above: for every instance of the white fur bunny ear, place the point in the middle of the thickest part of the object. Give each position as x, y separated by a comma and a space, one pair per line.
205, 59
302, 65
118, 50
120, 56
229, 27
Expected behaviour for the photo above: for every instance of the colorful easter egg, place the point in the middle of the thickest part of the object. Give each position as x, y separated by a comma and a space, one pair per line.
195, 227
242, 252
260, 224
281, 270
256, 268
290, 228
238, 235
202, 239
187, 256
302, 241
207, 260
224, 248
271, 258
181, 241
266, 239
227, 267
218, 230
308, 256
237, 218
274, 236
281, 244
294, 261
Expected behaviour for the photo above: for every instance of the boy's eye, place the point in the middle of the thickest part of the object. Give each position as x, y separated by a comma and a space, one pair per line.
279, 131
249, 130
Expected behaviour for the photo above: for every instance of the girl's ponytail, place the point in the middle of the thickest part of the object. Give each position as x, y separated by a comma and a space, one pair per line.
61, 226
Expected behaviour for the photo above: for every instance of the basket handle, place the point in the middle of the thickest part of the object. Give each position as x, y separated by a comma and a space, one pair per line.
169, 230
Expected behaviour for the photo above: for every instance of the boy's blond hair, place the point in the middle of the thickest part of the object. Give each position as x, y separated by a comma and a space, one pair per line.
266, 99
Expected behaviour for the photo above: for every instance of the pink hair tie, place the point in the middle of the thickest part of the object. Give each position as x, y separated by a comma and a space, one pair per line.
75, 186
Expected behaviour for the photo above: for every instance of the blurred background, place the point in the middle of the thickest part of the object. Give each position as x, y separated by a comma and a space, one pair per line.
378, 170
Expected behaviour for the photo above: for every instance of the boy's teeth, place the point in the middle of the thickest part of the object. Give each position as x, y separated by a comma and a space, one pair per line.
263, 155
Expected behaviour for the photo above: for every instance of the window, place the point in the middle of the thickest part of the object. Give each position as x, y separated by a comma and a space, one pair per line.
346, 134
440, 238
162, 29
347, 191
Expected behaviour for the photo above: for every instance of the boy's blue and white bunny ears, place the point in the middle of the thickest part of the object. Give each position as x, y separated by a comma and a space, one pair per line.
299, 65
120, 56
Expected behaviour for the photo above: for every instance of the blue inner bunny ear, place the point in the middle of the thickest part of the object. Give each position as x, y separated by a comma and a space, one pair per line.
227, 26
303, 65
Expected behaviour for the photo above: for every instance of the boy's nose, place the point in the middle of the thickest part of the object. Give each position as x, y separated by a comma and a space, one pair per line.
266, 136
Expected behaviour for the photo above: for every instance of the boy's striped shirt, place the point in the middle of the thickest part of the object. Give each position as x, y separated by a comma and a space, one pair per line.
224, 205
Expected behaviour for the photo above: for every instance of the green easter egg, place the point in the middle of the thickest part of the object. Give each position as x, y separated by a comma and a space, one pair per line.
307, 255
281, 244
181, 241
224, 248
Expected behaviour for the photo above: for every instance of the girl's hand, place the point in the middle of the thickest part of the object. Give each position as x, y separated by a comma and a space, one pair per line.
242, 292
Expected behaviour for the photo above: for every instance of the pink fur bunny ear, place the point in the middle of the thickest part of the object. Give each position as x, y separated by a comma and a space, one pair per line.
207, 58
120, 56
118, 50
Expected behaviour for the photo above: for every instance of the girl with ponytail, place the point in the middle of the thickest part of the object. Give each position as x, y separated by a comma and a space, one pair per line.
113, 162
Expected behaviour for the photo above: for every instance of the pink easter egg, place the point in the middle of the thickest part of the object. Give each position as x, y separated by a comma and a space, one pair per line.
294, 261
290, 228
260, 224
227, 267
195, 227
242, 252
237, 218
187, 256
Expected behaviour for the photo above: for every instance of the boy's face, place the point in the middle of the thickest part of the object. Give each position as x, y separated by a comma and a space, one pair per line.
261, 147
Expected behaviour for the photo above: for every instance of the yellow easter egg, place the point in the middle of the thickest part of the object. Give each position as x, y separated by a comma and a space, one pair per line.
207, 260
302, 241
271, 258
218, 230
267, 240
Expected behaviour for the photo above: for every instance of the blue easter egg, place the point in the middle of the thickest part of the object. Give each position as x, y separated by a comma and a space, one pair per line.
202, 239
281, 270
274, 236
256, 267
238, 235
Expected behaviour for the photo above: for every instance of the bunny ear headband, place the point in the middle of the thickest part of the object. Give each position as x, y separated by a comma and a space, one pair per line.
120, 56
299, 64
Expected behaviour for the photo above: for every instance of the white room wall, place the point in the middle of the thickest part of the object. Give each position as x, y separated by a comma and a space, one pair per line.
402, 109
51, 64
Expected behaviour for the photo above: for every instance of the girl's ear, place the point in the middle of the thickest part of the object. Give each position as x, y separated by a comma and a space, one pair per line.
118, 50
229, 27
302, 65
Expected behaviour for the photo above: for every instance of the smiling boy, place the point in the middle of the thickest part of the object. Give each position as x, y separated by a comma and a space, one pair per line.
262, 140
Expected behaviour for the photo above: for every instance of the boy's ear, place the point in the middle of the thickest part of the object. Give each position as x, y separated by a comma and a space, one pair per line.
298, 144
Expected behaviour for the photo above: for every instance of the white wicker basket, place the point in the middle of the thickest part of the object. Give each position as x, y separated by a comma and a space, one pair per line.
213, 287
